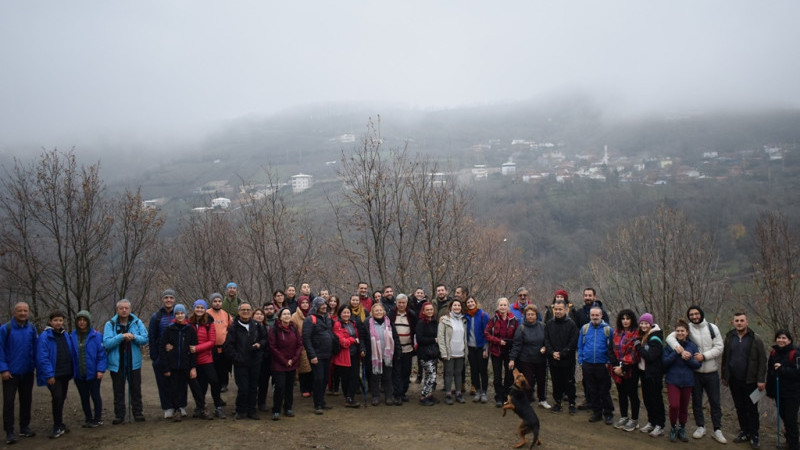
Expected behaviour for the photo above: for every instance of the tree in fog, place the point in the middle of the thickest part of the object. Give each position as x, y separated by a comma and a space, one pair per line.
661, 264
776, 272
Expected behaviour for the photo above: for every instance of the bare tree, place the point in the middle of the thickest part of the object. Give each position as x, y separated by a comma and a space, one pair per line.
776, 272
660, 264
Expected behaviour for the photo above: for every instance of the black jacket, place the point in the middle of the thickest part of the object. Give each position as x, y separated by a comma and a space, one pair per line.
582, 314
426, 333
786, 380
651, 352
317, 336
180, 337
239, 343
561, 335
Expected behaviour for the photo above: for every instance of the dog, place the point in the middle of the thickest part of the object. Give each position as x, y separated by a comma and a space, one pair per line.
518, 402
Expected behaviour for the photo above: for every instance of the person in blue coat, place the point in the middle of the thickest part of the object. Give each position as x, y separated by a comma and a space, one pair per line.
679, 368
477, 349
18, 339
89, 364
123, 337
54, 367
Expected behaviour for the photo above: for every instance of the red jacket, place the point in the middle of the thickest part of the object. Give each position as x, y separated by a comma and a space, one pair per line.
206, 340
498, 329
345, 341
285, 343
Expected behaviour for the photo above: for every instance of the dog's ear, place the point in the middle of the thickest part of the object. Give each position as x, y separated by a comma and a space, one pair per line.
516, 373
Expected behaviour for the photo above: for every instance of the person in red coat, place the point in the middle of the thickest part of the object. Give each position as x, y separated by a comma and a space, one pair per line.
203, 325
285, 345
499, 334
347, 362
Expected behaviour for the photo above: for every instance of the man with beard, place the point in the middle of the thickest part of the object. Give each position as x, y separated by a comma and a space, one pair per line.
442, 301
388, 301
232, 301
363, 295
222, 320
159, 322
561, 341
595, 353
269, 315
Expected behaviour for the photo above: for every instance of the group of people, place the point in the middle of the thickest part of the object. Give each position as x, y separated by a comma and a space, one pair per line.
367, 345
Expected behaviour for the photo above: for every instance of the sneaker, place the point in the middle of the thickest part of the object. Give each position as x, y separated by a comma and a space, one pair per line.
90, 424
11, 438
448, 399
699, 432
138, 417
719, 437
682, 434
544, 404
476, 398
631, 425
98, 422
26, 432
754, 442
742, 437
183, 412
484, 398
318, 411
276, 416
657, 431
219, 413
58, 431
460, 398
168, 413
289, 413
673, 434
427, 401
596, 417
498, 403
647, 428
556, 408
621, 422
573, 409
609, 419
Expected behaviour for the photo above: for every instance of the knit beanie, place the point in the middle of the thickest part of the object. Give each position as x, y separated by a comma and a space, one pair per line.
562, 292
231, 285
86, 315
215, 295
168, 293
179, 308
201, 302
646, 317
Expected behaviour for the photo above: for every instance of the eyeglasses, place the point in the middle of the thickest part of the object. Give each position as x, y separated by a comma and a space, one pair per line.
522, 295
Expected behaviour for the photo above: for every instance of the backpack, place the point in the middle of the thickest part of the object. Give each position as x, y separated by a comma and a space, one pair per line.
335, 347
585, 329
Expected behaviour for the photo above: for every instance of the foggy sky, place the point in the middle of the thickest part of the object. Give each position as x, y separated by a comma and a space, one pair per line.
172, 68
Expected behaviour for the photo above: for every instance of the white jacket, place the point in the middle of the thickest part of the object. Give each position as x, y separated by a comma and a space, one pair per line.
710, 348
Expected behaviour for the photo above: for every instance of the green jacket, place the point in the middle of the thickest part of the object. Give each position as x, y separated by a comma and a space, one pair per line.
756, 363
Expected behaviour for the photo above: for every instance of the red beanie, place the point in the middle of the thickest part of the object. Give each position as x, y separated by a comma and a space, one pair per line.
564, 293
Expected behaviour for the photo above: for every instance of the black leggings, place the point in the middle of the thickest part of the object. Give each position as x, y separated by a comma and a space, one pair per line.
629, 391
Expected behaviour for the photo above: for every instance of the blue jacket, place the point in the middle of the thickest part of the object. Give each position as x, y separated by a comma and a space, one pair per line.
96, 360
112, 341
46, 354
594, 345
680, 372
476, 327
17, 348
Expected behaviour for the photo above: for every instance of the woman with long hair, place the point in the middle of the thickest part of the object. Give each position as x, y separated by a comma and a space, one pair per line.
304, 368
347, 362
624, 372
650, 347
285, 346
427, 352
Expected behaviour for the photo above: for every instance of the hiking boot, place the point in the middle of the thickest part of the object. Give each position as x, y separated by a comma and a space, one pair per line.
742, 437
719, 437
699, 432
11, 438
631, 425
219, 413
376, 401
596, 417
657, 431
427, 401
498, 403
609, 419
556, 408
682, 434
754, 443
26, 432
460, 398
621, 422
318, 411
89, 423
573, 409
448, 399
276, 416
673, 434
289, 413
647, 428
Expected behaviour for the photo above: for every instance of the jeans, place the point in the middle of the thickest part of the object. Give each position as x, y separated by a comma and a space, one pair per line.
90, 389
24, 385
118, 380
710, 383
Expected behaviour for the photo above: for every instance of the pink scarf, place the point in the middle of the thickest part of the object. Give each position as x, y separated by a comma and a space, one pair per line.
379, 355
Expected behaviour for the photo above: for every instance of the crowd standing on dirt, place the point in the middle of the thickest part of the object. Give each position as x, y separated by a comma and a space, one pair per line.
365, 347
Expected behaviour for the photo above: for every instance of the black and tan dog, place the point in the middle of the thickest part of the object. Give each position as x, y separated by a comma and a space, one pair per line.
518, 401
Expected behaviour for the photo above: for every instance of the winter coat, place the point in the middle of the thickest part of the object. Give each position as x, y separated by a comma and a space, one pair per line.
222, 320
159, 322
561, 335
427, 332
285, 344
786, 380
596, 346
206, 341
651, 352
347, 334
476, 326
582, 313
240, 340
317, 335
528, 342
18, 348
47, 355
571, 313
180, 337
96, 358
679, 371
444, 335
711, 348
112, 340
757, 360
298, 318
500, 329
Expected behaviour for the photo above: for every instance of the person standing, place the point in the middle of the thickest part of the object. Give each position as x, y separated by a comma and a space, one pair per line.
346, 362
54, 367
89, 362
317, 340
582, 318
159, 322
783, 384
679, 369
206, 331
405, 322
305, 375
561, 342
596, 355
500, 334
624, 372
123, 337
179, 361
244, 345
222, 321
528, 354
452, 340
231, 301
477, 350
650, 347
18, 339
285, 345
710, 344
744, 369
427, 352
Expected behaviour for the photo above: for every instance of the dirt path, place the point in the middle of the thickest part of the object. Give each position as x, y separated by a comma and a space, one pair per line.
410, 426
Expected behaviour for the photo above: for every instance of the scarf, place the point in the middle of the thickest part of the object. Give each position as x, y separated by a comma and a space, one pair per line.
358, 311
472, 311
382, 344
82, 353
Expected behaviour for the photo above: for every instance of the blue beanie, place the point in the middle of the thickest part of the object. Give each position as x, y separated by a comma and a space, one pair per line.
231, 285
179, 308
200, 301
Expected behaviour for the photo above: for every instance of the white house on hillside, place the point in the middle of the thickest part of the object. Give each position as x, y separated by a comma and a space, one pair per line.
300, 182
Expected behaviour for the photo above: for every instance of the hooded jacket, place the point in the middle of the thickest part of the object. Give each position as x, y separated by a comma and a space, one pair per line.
317, 332
206, 340
700, 334
499, 329
17, 347
596, 345
159, 322
788, 372
651, 352
426, 333
298, 319
112, 340
476, 325
94, 352
180, 337
444, 334
47, 355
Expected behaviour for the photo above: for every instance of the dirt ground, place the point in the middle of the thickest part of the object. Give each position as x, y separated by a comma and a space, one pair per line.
410, 426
